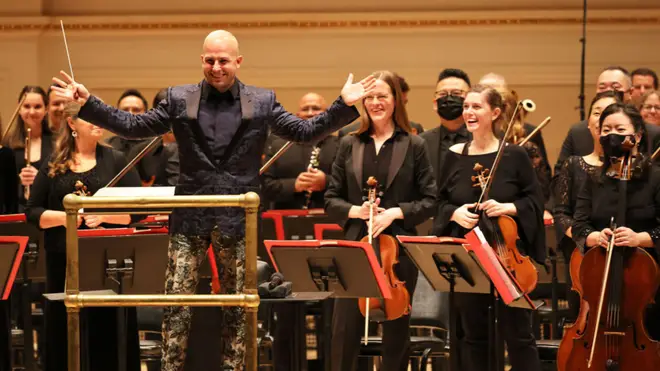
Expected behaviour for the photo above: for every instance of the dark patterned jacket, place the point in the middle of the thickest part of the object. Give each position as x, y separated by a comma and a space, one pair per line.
238, 170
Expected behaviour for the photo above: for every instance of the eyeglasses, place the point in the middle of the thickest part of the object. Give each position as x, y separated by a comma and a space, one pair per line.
454, 93
380, 97
649, 107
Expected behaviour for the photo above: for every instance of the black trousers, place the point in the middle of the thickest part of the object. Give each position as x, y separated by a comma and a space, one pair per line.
515, 328
98, 328
5, 336
348, 327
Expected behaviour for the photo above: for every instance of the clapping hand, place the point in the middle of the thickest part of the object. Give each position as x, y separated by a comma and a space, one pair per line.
353, 92
70, 90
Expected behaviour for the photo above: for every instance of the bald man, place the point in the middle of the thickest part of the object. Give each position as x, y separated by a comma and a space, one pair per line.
289, 181
220, 126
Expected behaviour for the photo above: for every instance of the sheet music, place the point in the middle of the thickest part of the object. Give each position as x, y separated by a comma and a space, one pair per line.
507, 289
135, 192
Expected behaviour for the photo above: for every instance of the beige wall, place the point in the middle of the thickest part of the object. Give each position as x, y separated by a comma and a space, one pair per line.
538, 51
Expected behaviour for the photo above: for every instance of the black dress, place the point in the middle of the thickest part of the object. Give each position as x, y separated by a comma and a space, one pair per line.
8, 205
567, 184
98, 324
598, 202
515, 181
19, 157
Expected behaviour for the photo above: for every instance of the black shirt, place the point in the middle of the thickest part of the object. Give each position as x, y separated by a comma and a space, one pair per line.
377, 164
514, 182
448, 138
219, 117
599, 201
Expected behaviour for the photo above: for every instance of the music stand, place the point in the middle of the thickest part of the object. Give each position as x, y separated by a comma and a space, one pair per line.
11, 255
31, 269
319, 269
451, 265
121, 261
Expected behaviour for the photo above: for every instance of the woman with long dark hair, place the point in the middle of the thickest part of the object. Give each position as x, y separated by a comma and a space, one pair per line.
79, 164
599, 199
383, 147
515, 192
32, 115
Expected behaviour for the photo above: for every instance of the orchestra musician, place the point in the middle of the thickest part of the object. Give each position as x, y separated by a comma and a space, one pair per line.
598, 200
650, 107
8, 205
288, 181
515, 192
220, 125
568, 182
79, 164
383, 147
31, 115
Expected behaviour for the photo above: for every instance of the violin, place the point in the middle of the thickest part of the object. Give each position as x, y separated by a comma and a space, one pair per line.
619, 283
577, 329
399, 304
504, 235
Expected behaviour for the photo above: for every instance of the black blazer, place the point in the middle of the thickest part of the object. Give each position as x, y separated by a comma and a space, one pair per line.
280, 179
238, 170
579, 142
410, 185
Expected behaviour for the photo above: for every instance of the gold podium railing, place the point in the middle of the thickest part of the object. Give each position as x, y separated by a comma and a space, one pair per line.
74, 299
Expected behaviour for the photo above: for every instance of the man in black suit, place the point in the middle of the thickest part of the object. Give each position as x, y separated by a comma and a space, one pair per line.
134, 102
290, 183
220, 125
451, 88
405, 88
579, 142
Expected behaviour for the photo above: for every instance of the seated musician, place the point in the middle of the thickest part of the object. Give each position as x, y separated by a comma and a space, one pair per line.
568, 182
8, 205
32, 114
384, 148
79, 164
515, 192
599, 199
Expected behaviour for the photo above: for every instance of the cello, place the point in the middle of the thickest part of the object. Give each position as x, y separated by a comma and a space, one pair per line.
576, 329
618, 283
399, 304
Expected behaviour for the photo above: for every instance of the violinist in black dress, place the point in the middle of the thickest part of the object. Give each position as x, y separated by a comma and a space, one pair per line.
383, 148
568, 183
79, 164
515, 192
599, 199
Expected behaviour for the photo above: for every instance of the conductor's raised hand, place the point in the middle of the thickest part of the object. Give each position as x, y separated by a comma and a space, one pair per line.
70, 90
353, 92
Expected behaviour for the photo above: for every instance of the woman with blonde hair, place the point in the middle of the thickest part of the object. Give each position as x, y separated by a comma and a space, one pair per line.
79, 164
383, 147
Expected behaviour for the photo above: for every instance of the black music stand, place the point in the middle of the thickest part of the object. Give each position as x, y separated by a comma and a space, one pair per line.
450, 266
12, 249
121, 261
320, 269
32, 269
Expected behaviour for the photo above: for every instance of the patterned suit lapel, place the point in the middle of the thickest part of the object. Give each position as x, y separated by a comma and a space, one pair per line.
193, 100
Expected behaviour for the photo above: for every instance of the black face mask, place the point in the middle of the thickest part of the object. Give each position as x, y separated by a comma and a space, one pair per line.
613, 144
450, 107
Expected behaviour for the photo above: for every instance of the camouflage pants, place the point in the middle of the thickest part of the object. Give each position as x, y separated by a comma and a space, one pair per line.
186, 253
